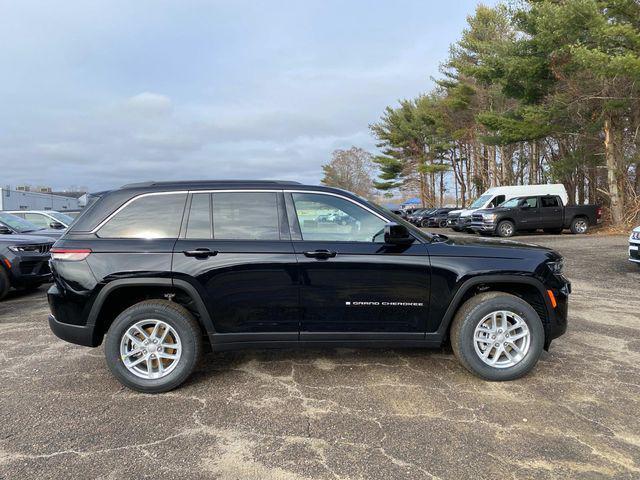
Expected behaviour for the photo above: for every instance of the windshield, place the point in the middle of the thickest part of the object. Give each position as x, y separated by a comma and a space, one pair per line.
18, 224
61, 217
510, 203
480, 202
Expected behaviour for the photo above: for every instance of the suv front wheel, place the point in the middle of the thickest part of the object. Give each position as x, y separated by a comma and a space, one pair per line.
153, 346
497, 336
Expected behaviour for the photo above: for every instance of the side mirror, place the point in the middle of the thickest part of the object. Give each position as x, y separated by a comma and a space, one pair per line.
396, 234
4, 230
56, 225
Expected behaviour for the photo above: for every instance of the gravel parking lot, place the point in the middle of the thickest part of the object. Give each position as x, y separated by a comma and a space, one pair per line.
339, 413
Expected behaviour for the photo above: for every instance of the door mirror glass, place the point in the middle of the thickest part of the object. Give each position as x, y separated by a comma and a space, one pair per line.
396, 234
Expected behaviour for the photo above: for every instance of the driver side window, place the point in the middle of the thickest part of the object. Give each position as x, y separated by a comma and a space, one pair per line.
334, 219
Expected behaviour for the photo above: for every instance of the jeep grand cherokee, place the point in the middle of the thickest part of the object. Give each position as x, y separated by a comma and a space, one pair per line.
161, 270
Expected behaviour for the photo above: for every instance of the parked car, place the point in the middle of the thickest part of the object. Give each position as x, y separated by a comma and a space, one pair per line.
13, 225
437, 218
532, 213
44, 218
244, 269
417, 216
634, 246
24, 262
453, 218
498, 195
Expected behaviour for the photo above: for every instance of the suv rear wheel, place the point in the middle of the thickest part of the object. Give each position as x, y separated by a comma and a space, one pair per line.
153, 346
579, 225
497, 336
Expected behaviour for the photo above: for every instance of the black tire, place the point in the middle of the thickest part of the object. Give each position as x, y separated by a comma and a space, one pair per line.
553, 231
178, 318
506, 229
579, 225
442, 224
5, 283
468, 317
456, 229
424, 223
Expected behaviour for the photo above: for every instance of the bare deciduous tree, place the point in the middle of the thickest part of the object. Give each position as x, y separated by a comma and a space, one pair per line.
350, 170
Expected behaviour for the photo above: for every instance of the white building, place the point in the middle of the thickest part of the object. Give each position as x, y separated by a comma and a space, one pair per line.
26, 200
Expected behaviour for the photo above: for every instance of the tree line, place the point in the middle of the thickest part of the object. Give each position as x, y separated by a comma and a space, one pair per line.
536, 91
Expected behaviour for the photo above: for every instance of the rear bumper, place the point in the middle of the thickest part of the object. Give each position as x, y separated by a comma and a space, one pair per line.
68, 320
78, 334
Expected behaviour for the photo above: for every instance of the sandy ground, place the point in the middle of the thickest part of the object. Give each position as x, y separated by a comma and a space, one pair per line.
339, 413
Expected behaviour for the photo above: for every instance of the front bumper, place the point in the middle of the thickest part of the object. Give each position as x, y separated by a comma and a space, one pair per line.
634, 252
483, 227
28, 269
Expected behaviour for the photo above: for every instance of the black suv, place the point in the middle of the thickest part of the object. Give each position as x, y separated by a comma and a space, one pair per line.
24, 262
162, 270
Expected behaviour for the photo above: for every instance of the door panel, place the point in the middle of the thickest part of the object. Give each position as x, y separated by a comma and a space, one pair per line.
352, 284
249, 277
364, 288
550, 213
529, 217
248, 286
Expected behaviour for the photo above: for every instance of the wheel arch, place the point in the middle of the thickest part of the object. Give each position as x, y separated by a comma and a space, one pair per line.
529, 289
120, 294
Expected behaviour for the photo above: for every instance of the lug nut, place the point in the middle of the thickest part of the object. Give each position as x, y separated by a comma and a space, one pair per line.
493, 336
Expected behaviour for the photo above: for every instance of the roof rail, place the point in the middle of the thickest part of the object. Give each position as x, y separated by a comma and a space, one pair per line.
182, 183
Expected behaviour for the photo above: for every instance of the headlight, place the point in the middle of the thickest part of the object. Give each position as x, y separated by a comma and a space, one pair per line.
556, 267
488, 217
635, 236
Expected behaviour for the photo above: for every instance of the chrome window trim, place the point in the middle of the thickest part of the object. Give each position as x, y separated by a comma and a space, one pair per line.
176, 192
129, 202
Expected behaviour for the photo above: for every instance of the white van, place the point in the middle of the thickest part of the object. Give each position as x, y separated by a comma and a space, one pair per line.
460, 219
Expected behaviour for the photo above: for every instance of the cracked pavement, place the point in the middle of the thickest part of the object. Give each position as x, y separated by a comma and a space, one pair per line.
339, 413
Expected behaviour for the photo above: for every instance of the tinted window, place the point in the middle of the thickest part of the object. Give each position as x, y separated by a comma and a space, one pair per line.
549, 201
329, 218
245, 216
199, 224
17, 223
151, 216
531, 201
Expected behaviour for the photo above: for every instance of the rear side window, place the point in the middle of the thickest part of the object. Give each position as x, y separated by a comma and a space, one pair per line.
150, 216
549, 202
199, 223
245, 216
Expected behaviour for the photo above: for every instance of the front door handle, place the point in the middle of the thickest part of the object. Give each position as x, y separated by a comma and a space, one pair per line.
320, 254
200, 253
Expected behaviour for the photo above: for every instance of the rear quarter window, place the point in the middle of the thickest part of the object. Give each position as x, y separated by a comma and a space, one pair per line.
147, 216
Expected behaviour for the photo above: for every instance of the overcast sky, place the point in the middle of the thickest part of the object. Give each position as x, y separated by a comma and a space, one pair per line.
102, 93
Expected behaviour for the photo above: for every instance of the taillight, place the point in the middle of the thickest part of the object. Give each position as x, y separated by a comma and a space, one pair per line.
70, 254
599, 212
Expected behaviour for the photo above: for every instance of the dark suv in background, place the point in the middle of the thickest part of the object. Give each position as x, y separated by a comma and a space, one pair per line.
161, 270
24, 262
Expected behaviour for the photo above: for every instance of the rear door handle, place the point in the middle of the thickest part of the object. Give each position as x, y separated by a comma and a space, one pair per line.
320, 254
200, 253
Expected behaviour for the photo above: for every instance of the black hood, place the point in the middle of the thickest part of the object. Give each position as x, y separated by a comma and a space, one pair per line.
13, 239
474, 246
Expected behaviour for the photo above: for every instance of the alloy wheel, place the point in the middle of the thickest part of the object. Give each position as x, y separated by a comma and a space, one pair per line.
502, 339
150, 349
